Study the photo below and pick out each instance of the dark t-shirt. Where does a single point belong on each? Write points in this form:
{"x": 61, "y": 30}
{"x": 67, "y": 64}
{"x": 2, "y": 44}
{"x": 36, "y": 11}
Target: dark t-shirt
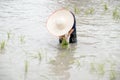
{"x": 73, "y": 36}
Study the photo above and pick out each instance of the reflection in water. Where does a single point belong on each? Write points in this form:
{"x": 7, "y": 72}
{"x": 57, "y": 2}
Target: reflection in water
{"x": 63, "y": 62}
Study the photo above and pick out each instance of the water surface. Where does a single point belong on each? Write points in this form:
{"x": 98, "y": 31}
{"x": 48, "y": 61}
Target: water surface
{"x": 31, "y": 53}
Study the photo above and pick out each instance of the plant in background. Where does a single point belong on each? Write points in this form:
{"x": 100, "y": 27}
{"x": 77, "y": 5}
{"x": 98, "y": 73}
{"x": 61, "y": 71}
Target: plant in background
{"x": 113, "y": 72}
{"x": 26, "y": 67}
{"x": 8, "y": 35}
{"x": 76, "y": 10}
{"x": 105, "y": 7}
{"x": 101, "y": 69}
{"x": 2, "y": 45}
{"x": 39, "y": 56}
{"x": 112, "y": 75}
{"x": 22, "y": 39}
{"x": 90, "y": 11}
{"x": 92, "y": 67}
{"x": 116, "y": 14}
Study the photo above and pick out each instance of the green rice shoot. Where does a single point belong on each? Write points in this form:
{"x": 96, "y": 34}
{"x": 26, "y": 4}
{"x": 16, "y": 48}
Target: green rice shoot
{"x": 101, "y": 69}
{"x": 116, "y": 14}
{"x": 105, "y": 7}
{"x": 90, "y": 11}
{"x": 92, "y": 67}
{"x": 22, "y": 39}
{"x": 8, "y": 35}
{"x": 78, "y": 64}
{"x": 26, "y": 67}
{"x": 112, "y": 75}
{"x": 64, "y": 43}
{"x": 76, "y": 10}
{"x": 39, "y": 56}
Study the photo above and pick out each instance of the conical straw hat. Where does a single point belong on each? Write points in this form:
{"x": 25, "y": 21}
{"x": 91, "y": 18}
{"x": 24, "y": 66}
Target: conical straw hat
{"x": 60, "y": 22}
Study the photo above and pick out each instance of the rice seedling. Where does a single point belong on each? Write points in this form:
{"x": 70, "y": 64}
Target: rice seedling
{"x": 90, "y": 11}
{"x": 101, "y": 69}
{"x": 8, "y": 35}
{"x": 22, "y": 39}
{"x": 116, "y": 14}
{"x": 64, "y": 43}
{"x": 26, "y": 67}
{"x": 2, "y": 45}
{"x": 39, "y": 56}
{"x": 76, "y": 10}
{"x": 112, "y": 75}
{"x": 105, "y": 7}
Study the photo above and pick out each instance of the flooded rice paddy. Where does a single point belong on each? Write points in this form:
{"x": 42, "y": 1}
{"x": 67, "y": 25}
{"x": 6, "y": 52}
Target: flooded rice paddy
{"x": 29, "y": 52}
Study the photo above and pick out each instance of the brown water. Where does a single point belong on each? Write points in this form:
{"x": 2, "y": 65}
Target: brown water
{"x": 31, "y": 53}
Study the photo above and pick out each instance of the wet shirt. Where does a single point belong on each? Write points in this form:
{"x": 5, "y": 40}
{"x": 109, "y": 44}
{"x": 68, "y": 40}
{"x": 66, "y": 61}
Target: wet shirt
{"x": 73, "y": 36}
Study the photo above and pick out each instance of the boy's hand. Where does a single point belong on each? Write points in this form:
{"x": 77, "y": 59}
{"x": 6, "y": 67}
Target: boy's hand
{"x": 66, "y": 35}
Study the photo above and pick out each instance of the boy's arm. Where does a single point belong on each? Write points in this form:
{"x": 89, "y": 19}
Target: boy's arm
{"x": 70, "y": 32}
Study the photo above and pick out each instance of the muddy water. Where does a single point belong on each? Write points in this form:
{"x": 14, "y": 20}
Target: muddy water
{"x": 31, "y": 53}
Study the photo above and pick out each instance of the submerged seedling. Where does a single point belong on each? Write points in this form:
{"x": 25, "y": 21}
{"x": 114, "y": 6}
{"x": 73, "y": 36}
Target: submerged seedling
{"x": 52, "y": 61}
{"x": 67, "y": 7}
{"x": 2, "y": 45}
{"x": 92, "y": 67}
{"x": 44, "y": 77}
